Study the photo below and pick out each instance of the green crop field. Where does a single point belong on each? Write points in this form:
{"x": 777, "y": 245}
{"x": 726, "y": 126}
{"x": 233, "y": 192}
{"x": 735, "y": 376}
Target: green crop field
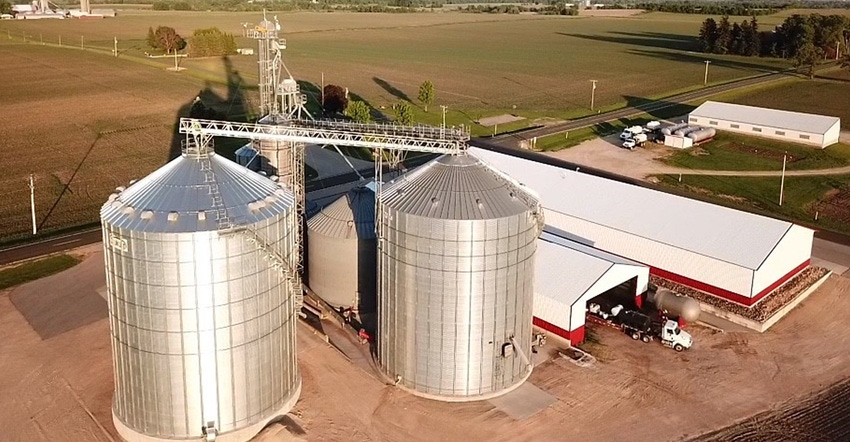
{"x": 482, "y": 64}
{"x": 84, "y": 122}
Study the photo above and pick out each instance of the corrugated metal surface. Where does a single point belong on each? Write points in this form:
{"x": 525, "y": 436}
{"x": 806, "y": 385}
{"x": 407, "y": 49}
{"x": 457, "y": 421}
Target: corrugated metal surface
{"x": 203, "y": 327}
{"x": 561, "y": 300}
{"x": 181, "y": 187}
{"x": 760, "y": 116}
{"x": 457, "y": 280}
{"x": 691, "y": 226}
{"x": 350, "y": 216}
{"x": 341, "y": 251}
{"x": 454, "y": 187}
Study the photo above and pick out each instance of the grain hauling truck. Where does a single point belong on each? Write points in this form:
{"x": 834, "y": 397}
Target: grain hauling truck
{"x": 640, "y": 326}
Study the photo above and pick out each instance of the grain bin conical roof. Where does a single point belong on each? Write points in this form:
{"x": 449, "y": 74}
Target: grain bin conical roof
{"x": 350, "y": 216}
{"x": 183, "y": 195}
{"x": 456, "y": 187}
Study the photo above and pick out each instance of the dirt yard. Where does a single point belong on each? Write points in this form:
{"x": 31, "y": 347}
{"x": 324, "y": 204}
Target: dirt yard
{"x": 64, "y": 383}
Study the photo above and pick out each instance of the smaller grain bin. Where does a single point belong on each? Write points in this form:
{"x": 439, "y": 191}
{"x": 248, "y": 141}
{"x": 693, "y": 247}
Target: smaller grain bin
{"x": 341, "y": 251}
{"x": 456, "y": 263}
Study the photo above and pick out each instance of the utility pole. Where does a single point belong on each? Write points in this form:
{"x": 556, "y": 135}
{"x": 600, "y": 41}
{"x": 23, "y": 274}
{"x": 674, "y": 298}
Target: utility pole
{"x": 82, "y": 42}
{"x": 322, "y": 104}
{"x": 60, "y": 40}
{"x": 115, "y": 46}
{"x": 705, "y": 79}
{"x": 32, "y": 204}
{"x": 444, "y": 107}
{"x": 782, "y": 183}
{"x": 592, "y": 93}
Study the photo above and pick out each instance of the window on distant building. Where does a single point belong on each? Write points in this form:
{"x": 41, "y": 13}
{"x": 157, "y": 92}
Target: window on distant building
{"x": 713, "y": 123}
{"x": 693, "y": 120}
{"x": 804, "y": 137}
{"x": 735, "y": 126}
{"x": 756, "y": 129}
{"x": 779, "y": 132}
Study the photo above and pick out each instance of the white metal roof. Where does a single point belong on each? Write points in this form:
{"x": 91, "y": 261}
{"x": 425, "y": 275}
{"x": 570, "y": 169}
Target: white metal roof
{"x": 729, "y": 235}
{"x": 558, "y": 257}
{"x": 760, "y": 116}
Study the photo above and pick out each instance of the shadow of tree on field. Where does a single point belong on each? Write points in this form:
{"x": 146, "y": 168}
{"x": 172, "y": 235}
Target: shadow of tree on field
{"x": 699, "y": 58}
{"x": 377, "y": 114}
{"x": 208, "y": 104}
{"x": 394, "y": 91}
{"x": 658, "y": 109}
{"x": 645, "y": 39}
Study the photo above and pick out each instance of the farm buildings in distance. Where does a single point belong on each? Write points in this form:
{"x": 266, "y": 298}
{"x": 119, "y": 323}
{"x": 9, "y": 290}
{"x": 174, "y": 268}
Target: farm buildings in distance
{"x": 795, "y": 127}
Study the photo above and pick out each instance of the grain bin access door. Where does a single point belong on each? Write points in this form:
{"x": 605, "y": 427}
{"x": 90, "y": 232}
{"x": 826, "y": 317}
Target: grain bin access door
{"x": 570, "y": 274}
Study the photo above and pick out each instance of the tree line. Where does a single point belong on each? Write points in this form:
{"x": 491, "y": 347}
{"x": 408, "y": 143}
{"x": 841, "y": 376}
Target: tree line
{"x": 205, "y": 42}
{"x": 712, "y": 8}
{"x": 806, "y": 39}
{"x": 335, "y": 101}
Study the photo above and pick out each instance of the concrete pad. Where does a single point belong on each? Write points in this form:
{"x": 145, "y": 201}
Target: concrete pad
{"x": 838, "y": 269}
{"x": 523, "y": 402}
{"x": 499, "y": 119}
{"x": 64, "y": 301}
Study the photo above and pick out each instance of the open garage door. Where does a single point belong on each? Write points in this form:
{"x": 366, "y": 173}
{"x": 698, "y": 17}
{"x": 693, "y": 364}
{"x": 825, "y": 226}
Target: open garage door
{"x": 570, "y": 274}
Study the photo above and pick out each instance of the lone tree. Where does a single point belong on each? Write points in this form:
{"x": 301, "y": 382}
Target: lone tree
{"x": 165, "y": 38}
{"x": 403, "y": 113}
{"x": 426, "y": 93}
{"x": 336, "y": 99}
{"x": 359, "y": 111}
{"x": 807, "y": 57}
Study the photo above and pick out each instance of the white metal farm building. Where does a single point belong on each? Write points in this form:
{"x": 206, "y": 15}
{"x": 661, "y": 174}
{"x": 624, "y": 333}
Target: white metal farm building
{"x": 795, "y": 127}
{"x": 569, "y": 274}
{"x": 731, "y": 254}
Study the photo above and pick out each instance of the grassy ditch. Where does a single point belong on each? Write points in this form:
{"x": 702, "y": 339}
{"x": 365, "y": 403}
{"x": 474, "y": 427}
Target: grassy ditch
{"x": 35, "y": 270}
{"x": 803, "y": 197}
{"x": 739, "y": 152}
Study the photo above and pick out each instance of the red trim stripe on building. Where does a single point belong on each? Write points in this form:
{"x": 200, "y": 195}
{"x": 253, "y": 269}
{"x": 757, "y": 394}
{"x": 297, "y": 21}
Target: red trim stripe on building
{"x": 726, "y": 294}
{"x": 575, "y": 337}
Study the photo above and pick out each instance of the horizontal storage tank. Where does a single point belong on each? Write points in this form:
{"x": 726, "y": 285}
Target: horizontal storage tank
{"x": 686, "y": 130}
{"x": 201, "y": 314}
{"x": 702, "y": 134}
{"x": 670, "y": 129}
{"x": 675, "y": 304}
{"x": 456, "y": 280}
{"x": 341, "y": 251}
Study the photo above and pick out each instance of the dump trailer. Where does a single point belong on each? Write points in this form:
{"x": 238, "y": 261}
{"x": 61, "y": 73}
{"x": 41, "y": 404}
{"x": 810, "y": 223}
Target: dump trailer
{"x": 641, "y": 327}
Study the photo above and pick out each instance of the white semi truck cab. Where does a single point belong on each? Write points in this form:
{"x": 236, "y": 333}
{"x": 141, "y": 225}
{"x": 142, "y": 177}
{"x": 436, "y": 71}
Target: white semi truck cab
{"x": 673, "y": 336}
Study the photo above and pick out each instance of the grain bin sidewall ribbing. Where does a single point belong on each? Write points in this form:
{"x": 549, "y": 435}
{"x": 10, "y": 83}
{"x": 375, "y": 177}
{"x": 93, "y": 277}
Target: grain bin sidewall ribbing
{"x": 159, "y": 285}
{"x": 436, "y": 270}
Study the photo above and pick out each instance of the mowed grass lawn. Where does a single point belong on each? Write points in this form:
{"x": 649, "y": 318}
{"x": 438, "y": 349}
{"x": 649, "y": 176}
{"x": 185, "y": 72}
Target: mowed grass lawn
{"x": 761, "y": 194}
{"x": 730, "y": 151}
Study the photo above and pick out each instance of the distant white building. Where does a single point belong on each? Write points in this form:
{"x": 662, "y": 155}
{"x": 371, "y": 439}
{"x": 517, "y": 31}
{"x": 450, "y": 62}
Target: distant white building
{"x": 814, "y": 130}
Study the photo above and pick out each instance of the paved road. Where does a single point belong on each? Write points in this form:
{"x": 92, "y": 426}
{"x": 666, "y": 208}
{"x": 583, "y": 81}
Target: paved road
{"x": 48, "y": 246}
{"x": 513, "y": 139}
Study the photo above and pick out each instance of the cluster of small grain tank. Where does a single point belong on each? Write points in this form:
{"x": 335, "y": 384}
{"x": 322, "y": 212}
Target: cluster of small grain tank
{"x": 696, "y": 134}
